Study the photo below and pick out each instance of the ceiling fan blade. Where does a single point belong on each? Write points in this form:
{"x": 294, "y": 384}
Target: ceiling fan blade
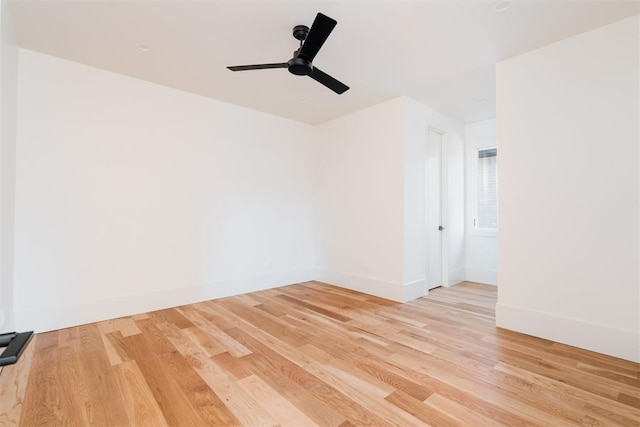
{"x": 325, "y": 79}
{"x": 320, "y": 30}
{"x": 258, "y": 66}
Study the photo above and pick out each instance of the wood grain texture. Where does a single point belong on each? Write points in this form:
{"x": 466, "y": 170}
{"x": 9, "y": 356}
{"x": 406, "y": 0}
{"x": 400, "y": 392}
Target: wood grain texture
{"x": 315, "y": 354}
{"x": 13, "y": 384}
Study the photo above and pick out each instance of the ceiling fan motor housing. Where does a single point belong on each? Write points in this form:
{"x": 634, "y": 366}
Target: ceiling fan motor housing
{"x": 300, "y": 32}
{"x": 299, "y": 66}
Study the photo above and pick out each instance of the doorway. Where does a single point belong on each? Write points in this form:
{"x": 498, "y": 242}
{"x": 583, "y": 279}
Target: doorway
{"x": 434, "y": 184}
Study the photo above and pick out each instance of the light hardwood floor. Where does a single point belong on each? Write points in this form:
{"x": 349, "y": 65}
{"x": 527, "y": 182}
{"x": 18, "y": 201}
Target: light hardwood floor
{"x": 316, "y": 354}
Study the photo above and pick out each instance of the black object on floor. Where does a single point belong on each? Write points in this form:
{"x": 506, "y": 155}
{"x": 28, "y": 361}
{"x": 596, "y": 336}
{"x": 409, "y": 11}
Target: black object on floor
{"x": 15, "y": 342}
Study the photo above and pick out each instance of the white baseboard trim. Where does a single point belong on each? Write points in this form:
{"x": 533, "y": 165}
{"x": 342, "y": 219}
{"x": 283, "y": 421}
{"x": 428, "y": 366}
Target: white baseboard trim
{"x": 7, "y": 324}
{"x": 413, "y": 290}
{"x": 457, "y": 276}
{"x": 387, "y": 290}
{"x": 621, "y": 343}
{"x": 52, "y": 318}
{"x": 487, "y": 277}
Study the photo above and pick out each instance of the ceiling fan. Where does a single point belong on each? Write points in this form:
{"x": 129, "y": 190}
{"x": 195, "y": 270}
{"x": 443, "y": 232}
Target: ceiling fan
{"x": 311, "y": 40}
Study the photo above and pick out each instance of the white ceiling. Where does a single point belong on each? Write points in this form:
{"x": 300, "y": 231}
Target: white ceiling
{"x": 441, "y": 53}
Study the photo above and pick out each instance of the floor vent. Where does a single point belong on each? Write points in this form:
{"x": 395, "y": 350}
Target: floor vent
{"x": 15, "y": 342}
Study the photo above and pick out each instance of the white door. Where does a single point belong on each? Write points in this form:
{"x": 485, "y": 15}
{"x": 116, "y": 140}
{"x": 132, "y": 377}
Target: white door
{"x": 433, "y": 209}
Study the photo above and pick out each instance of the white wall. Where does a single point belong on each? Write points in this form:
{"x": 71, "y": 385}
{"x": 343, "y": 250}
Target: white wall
{"x": 132, "y": 196}
{"x": 369, "y": 191}
{"x": 568, "y": 137}
{"x": 481, "y": 247}
{"x": 418, "y": 119}
{"x": 8, "y": 96}
{"x": 359, "y": 200}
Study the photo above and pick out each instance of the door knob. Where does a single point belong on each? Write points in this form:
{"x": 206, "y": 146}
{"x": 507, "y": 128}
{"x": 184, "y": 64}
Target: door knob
{"x": 440, "y": 228}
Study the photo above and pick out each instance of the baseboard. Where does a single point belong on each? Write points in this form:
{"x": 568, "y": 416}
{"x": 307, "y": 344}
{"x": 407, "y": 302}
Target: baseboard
{"x": 52, "y": 318}
{"x": 387, "y": 290}
{"x": 6, "y": 321}
{"x": 457, "y": 276}
{"x": 413, "y": 290}
{"x": 487, "y": 277}
{"x": 621, "y": 343}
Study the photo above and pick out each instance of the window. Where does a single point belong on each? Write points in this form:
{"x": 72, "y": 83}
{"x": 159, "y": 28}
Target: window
{"x": 486, "y": 189}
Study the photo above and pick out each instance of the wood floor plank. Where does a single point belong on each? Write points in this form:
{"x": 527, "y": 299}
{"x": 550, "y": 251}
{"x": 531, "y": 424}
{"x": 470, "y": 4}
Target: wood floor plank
{"x": 350, "y": 372}
{"x": 320, "y": 390}
{"x": 242, "y": 405}
{"x": 587, "y": 381}
{"x": 74, "y": 391}
{"x": 272, "y": 325}
{"x": 237, "y": 367}
{"x": 140, "y": 316}
{"x": 568, "y": 393}
{"x": 488, "y": 391}
{"x": 326, "y": 349}
{"x": 316, "y": 308}
{"x": 316, "y": 354}
{"x": 612, "y": 372}
{"x": 112, "y": 352}
{"x": 42, "y": 398}
{"x": 126, "y": 325}
{"x": 155, "y": 337}
{"x": 316, "y": 410}
{"x": 13, "y": 385}
{"x": 318, "y": 304}
{"x": 219, "y": 339}
{"x": 610, "y": 382}
{"x": 458, "y": 412}
{"x": 586, "y": 356}
{"x": 361, "y": 393}
{"x": 357, "y": 339}
{"x": 175, "y": 406}
{"x": 275, "y": 404}
{"x": 136, "y": 397}
{"x": 69, "y": 337}
{"x": 115, "y": 340}
{"x": 170, "y": 315}
{"x": 206, "y": 402}
{"x": 98, "y": 381}
{"x": 420, "y": 410}
{"x": 629, "y": 400}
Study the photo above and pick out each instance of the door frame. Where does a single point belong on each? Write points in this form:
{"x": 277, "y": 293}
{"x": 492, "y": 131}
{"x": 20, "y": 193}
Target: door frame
{"x": 444, "y": 211}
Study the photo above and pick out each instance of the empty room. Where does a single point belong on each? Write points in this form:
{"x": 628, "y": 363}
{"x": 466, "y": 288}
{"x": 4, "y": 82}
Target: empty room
{"x": 332, "y": 213}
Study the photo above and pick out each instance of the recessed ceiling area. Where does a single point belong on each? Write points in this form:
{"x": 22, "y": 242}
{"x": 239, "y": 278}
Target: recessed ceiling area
{"x": 440, "y": 53}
